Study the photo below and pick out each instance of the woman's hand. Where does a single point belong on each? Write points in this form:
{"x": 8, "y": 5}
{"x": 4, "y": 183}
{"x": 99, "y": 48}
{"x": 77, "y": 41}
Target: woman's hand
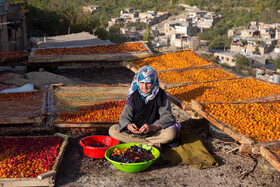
{"x": 133, "y": 128}
{"x": 147, "y": 128}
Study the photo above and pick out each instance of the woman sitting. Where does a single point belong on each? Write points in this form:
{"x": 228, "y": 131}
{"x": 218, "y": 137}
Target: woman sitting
{"x": 147, "y": 117}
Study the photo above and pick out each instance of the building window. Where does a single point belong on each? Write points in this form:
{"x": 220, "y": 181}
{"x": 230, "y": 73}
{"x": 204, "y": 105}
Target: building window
{"x": 227, "y": 59}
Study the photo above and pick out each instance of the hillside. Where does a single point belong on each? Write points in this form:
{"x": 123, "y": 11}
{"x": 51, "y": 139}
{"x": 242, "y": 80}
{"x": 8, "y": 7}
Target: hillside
{"x": 63, "y": 16}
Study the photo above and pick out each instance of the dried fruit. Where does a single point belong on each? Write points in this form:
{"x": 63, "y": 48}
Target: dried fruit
{"x": 16, "y": 96}
{"x": 177, "y": 60}
{"x": 136, "y": 47}
{"x": 133, "y": 154}
{"x": 224, "y": 91}
{"x": 194, "y": 75}
{"x": 27, "y": 157}
{"x": 260, "y": 121}
{"x": 105, "y": 112}
{"x": 12, "y": 54}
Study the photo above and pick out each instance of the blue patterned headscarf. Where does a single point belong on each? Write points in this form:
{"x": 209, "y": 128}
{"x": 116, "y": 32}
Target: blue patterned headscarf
{"x": 145, "y": 74}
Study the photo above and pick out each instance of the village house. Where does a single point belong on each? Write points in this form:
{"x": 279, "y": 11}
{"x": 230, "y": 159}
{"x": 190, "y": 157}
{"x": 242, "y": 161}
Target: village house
{"x": 132, "y": 15}
{"x": 249, "y": 33}
{"x": 181, "y": 29}
{"x": 258, "y": 38}
{"x": 132, "y": 33}
{"x": 226, "y": 58}
{"x": 91, "y": 8}
{"x": 13, "y": 34}
{"x": 204, "y": 19}
{"x": 253, "y": 45}
{"x": 182, "y": 41}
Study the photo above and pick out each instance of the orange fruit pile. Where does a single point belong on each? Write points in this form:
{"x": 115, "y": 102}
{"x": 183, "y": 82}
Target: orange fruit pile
{"x": 27, "y": 157}
{"x": 105, "y": 112}
{"x": 260, "y": 121}
{"x": 12, "y": 54}
{"x": 16, "y": 96}
{"x": 194, "y": 76}
{"x": 177, "y": 60}
{"x": 224, "y": 91}
{"x": 135, "y": 47}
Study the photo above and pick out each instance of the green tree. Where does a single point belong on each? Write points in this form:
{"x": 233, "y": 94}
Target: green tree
{"x": 115, "y": 35}
{"x": 244, "y": 42}
{"x": 241, "y": 60}
{"x": 102, "y": 33}
{"x": 147, "y": 35}
{"x": 211, "y": 58}
{"x": 275, "y": 62}
{"x": 257, "y": 51}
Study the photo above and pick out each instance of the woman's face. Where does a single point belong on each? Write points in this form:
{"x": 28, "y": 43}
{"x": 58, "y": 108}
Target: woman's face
{"x": 145, "y": 87}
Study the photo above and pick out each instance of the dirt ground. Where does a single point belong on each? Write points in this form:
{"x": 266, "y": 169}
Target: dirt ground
{"x": 77, "y": 170}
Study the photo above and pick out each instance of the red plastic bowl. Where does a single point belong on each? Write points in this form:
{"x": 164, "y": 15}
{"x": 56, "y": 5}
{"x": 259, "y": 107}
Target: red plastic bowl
{"x": 97, "y": 152}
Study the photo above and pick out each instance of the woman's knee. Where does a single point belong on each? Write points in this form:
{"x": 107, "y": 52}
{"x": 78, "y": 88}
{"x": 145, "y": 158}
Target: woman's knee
{"x": 170, "y": 134}
{"x": 113, "y": 130}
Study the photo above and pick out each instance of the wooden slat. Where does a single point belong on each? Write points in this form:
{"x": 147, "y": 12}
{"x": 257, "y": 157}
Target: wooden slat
{"x": 178, "y": 102}
{"x": 270, "y": 157}
{"x": 129, "y": 66}
{"x": 22, "y": 120}
{"x": 96, "y": 126}
{"x": 24, "y": 130}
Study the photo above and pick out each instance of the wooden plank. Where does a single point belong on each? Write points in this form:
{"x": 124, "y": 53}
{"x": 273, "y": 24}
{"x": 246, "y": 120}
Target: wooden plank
{"x": 84, "y": 125}
{"x": 249, "y": 149}
{"x": 84, "y": 60}
{"x": 194, "y": 114}
{"x": 270, "y": 157}
{"x": 25, "y": 130}
{"x": 26, "y": 182}
{"x": 61, "y": 151}
{"x": 129, "y": 66}
{"x": 273, "y": 97}
{"x": 178, "y": 102}
{"x": 22, "y": 120}
{"x": 47, "y": 175}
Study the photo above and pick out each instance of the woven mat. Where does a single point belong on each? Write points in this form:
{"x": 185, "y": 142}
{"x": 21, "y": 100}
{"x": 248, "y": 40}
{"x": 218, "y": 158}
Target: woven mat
{"x": 191, "y": 152}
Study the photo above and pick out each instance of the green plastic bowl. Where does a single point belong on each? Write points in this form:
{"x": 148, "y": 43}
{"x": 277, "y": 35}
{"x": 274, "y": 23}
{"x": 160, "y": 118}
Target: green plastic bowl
{"x": 132, "y": 167}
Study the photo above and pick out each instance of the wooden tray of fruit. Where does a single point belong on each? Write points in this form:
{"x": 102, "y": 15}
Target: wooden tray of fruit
{"x": 111, "y": 52}
{"x": 247, "y": 122}
{"x": 12, "y": 56}
{"x": 223, "y": 91}
{"x": 171, "y": 61}
{"x": 87, "y": 106}
{"x": 176, "y": 78}
{"x": 23, "y": 107}
{"x": 31, "y": 160}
